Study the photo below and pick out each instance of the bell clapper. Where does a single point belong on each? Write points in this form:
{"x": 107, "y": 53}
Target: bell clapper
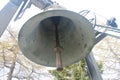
{"x": 58, "y": 49}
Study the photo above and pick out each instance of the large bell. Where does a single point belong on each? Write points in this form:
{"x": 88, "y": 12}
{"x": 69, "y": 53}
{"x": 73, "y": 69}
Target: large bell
{"x": 37, "y": 38}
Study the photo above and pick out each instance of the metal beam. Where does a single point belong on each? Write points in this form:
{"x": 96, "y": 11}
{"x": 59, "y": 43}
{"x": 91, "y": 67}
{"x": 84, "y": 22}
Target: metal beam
{"x": 42, "y": 4}
{"x": 7, "y": 13}
{"x": 92, "y": 67}
{"x": 111, "y": 31}
{"x": 91, "y": 62}
{"x": 100, "y": 37}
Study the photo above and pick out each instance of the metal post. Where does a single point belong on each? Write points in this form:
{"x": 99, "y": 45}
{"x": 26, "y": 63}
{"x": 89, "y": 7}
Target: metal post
{"x": 7, "y": 13}
{"x": 92, "y": 67}
{"x": 91, "y": 63}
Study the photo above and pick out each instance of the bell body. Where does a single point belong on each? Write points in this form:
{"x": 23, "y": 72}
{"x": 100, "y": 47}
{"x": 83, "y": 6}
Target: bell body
{"x": 37, "y": 37}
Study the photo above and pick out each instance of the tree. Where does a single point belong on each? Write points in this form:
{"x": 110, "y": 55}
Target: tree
{"x": 75, "y": 71}
{"x": 13, "y": 65}
{"x": 107, "y": 52}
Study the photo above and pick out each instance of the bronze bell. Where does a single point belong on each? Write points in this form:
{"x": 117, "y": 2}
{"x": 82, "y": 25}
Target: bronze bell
{"x": 60, "y": 34}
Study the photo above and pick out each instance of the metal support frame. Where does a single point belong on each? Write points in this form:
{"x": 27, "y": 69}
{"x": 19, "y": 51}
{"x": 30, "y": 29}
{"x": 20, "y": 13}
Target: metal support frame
{"x": 92, "y": 67}
{"x": 99, "y": 38}
{"x": 7, "y": 13}
{"x": 42, "y": 4}
{"x": 91, "y": 63}
{"x": 25, "y": 5}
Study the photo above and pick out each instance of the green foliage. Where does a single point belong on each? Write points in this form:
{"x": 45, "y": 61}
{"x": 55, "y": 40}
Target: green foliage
{"x": 76, "y": 71}
{"x": 100, "y": 67}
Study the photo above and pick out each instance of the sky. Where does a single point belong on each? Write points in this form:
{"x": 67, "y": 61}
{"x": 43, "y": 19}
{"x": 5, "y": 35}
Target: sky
{"x": 104, "y": 8}
{"x": 3, "y": 3}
